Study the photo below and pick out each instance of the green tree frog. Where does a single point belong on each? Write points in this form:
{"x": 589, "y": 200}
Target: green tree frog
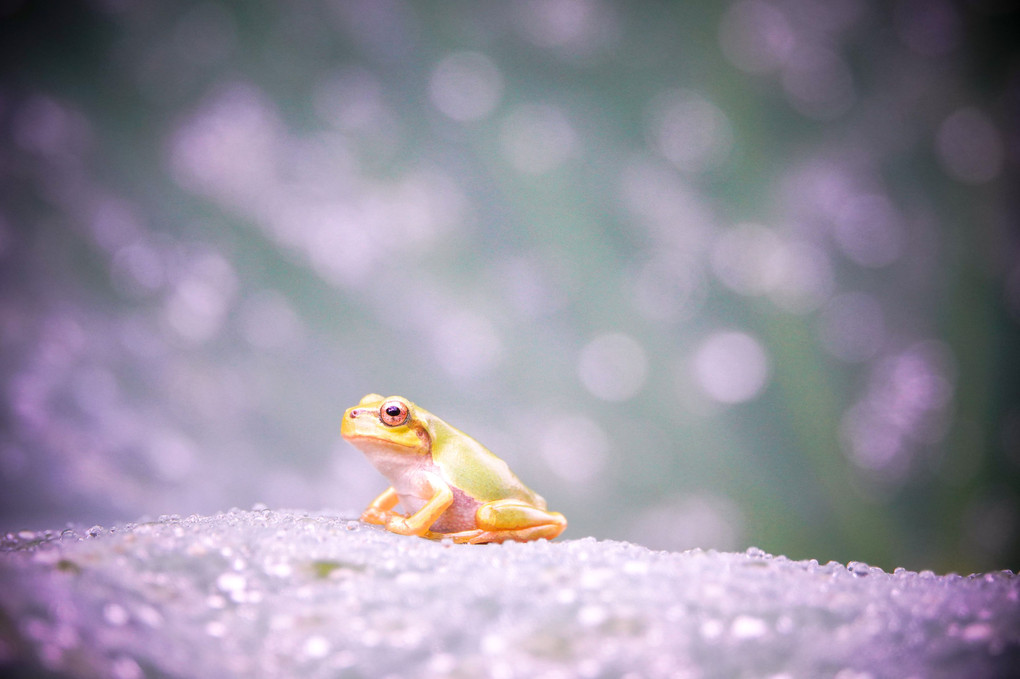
{"x": 448, "y": 484}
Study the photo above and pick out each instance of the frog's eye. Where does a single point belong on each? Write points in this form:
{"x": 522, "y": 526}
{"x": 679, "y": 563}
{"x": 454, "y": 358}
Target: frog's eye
{"x": 393, "y": 413}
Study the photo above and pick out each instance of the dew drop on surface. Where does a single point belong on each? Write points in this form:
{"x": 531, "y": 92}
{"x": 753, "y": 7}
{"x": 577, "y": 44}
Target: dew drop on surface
{"x": 316, "y": 647}
{"x": 125, "y": 667}
{"x": 977, "y": 631}
{"x": 215, "y": 628}
{"x": 149, "y": 616}
{"x": 280, "y": 569}
{"x": 115, "y": 614}
{"x": 566, "y": 595}
{"x": 711, "y": 629}
{"x": 635, "y": 567}
{"x": 231, "y": 582}
{"x": 493, "y": 643}
{"x": 442, "y": 664}
{"x": 592, "y": 616}
{"x": 747, "y": 627}
{"x": 858, "y": 568}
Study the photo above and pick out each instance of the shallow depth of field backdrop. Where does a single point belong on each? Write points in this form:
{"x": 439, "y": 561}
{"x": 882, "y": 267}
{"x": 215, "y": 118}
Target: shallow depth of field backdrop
{"x": 705, "y": 274}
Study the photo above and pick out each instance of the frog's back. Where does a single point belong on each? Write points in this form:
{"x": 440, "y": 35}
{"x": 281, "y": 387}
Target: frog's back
{"x": 472, "y": 467}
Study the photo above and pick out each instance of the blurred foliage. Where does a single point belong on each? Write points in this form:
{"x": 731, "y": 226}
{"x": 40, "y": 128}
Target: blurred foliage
{"x": 705, "y": 274}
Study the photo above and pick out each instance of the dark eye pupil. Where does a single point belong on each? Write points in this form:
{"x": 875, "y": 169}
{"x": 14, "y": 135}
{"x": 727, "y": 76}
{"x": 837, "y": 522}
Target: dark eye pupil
{"x": 393, "y": 411}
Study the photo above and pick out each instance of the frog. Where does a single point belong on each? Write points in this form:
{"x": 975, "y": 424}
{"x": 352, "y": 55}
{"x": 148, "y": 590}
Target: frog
{"x": 448, "y": 486}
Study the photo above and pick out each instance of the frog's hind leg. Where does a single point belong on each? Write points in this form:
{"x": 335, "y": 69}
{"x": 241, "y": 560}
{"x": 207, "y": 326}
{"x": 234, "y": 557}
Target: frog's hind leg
{"x": 458, "y": 537}
{"x": 503, "y": 520}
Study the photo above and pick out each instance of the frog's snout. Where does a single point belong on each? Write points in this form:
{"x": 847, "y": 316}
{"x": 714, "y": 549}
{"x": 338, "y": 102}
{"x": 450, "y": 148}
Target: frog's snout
{"x": 347, "y": 424}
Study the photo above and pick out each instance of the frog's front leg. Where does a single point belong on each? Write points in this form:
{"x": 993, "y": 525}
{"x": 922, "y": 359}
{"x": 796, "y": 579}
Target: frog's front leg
{"x": 380, "y": 510}
{"x": 440, "y": 498}
{"x": 509, "y": 519}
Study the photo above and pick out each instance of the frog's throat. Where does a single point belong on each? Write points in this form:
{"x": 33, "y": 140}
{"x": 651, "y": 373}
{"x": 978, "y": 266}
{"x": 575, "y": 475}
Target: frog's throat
{"x": 393, "y": 461}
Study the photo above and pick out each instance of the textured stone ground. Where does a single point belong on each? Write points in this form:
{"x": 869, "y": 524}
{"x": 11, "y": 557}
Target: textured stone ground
{"x": 267, "y": 593}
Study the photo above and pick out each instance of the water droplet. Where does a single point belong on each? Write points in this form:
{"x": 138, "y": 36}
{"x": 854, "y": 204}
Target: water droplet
{"x": 215, "y": 628}
{"x": 747, "y": 627}
{"x": 592, "y": 616}
{"x": 711, "y": 629}
{"x": 125, "y": 667}
{"x": 231, "y": 582}
{"x": 115, "y": 614}
{"x": 859, "y": 568}
{"x": 977, "y": 631}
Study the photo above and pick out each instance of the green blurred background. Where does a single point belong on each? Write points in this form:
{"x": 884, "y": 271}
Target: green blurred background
{"x": 705, "y": 274}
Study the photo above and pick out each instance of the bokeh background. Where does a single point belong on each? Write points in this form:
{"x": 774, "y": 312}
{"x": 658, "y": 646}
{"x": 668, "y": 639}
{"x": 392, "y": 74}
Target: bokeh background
{"x": 706, "y": 274}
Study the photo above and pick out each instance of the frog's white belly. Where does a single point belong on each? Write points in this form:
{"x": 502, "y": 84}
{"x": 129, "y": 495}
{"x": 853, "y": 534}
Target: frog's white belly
{"x": 458, "y": 516}
{"x": 405, "y": 475}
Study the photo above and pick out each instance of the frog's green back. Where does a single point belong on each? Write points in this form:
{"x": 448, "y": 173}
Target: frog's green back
{"x": 470, "y": 466}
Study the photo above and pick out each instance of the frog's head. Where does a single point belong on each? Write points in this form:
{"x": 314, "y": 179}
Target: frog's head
{"x": 392, "y": 424}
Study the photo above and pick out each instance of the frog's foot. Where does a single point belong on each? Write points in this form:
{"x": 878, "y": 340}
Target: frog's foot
{"x": 377, "y": 516}
{"x": 503, "y": 520}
